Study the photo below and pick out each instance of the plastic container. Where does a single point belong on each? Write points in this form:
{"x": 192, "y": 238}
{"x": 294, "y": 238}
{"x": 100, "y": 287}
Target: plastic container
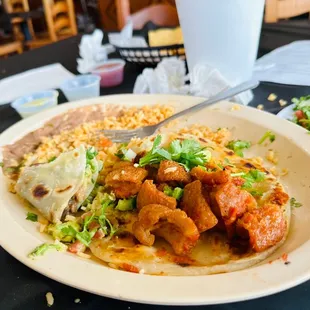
{"x": 36, "y": 102}
{"x": 81, "y": 87}
{"x": 111, "y": 72}
{"x": 223, "y": 34}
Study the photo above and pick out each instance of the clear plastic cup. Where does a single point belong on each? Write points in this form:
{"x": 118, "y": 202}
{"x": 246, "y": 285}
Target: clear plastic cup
{"x": 81, "y": 87}
{"x": 111, "y": 72}
{"x": 35, "y": 103}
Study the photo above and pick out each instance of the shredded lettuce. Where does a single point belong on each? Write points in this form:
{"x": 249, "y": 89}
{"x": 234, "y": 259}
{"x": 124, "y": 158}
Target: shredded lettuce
{"x": 238, "y": 145}
{"x": 43, "y": 248}
{"x": 98, "y": 214}
{"x": 65, "y": 232}
{"x": 268, "y": 135}
{"x": 85, "y": 236}
{"x": 303, "y": 105}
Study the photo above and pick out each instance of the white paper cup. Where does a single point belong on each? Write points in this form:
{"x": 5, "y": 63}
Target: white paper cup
{"x": 223, "y": 34}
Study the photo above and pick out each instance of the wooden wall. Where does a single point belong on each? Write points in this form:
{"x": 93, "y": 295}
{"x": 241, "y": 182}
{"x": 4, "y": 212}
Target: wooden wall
{"x": 107, "y": 10}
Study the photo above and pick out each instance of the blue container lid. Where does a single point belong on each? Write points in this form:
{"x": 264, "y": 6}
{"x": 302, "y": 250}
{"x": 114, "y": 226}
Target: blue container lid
{"x": 81, "y": 81}
{"x": 22, "y": 104}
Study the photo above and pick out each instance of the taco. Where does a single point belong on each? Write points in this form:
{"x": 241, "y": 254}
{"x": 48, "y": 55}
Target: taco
{"x": 184, "y": 203}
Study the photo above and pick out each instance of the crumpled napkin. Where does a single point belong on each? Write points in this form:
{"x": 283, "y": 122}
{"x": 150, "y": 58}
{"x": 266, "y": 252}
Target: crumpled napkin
{"x": 125, "y": 38}
{"x": 92, "y": 52}
{"x": 169, "y": 77}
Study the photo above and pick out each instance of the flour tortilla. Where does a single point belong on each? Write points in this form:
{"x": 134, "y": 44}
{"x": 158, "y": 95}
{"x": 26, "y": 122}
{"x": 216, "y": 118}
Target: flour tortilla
{"x": 49, "y": 187}
{"x": 212, "y": 255}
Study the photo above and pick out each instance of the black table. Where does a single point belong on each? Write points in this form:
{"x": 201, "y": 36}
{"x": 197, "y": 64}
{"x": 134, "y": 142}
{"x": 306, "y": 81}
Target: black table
{"x": 23, "y": 288}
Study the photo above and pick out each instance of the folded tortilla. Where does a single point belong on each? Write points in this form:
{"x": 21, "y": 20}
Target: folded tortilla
{"x": 59, "y": 186}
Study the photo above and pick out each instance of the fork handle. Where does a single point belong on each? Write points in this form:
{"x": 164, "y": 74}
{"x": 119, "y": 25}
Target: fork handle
{"x": 218, "y": 97}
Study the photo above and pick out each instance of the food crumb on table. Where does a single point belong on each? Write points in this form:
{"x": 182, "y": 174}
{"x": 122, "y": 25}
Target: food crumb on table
{"x": 49, "y": 298}
{"x": 260, "y": 107}
{"x": 77, "y": 300}
{"x": 282, "y": 102}
{"x": 235, "y": 107}
{"x": 272, "y": 97}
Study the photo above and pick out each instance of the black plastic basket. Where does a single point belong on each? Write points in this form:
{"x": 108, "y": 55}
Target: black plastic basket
{"x": 150, "y": 56}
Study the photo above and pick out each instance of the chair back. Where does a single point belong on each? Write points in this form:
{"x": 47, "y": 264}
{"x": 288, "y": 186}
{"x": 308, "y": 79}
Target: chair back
{"x": 160, "y": 14}
{"x": 60, "y": 18}
{"x": 16, "y": 6}
{"x": 282, "y": 9}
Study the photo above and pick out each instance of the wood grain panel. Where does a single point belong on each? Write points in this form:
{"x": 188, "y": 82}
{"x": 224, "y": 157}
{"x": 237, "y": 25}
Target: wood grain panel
{"x": 108, "y": 15}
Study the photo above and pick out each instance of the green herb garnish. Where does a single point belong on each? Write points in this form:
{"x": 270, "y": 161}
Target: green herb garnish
{"x": 176, "y": 192}
{"x": 188, "y": 153}
{"x": 32, "y": 217}
{"x": 268, "y": 135}
{"x": 294, "y": 203}
{"x": 1, "y": 164}
{"x": 126, "y": 204}
{"x": 91, "y": 153}
{"x": 253, "y": 176}
{"x": 256, "y": 193}
{"x": 85, "y": 236}
{"x": 237, "y": 146}
{"x": 52, "y": 159}
{"x": 43, "y": 248}
{"x": 65, "y": 232}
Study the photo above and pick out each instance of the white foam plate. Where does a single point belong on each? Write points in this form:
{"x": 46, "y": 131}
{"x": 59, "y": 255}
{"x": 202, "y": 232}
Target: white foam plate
{"x": 292, "y": 144}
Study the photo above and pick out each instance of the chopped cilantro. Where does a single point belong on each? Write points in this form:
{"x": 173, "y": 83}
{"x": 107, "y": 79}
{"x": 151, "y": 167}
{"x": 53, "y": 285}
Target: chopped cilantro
{"x": 257, "y": 193}
{"x": 253, "y": 176}
{"x": 155, "y": 155}
{"x": 1, "y": 164}
{"x": 43, "y": 248}
{"x": 176, "y": 192}
{"x": 32, "y": 217}
{"x": 268, "y": 135}
{"x": 188, "y": 153}
{"x": 237, "y": 146}
{"x": 85, "y": 236}
{"x": 294, "y": 203}
{"x": 52, "y": 159}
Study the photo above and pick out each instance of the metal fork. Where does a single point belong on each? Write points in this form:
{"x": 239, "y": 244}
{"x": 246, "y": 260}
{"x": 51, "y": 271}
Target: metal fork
{"x": 126, "y": 135}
